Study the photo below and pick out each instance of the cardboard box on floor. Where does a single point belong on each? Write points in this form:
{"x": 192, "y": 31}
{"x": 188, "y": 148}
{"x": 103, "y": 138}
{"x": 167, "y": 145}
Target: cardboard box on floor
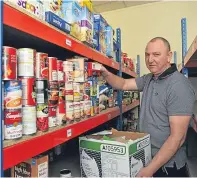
{"x": 34, "y": 167}
{"x": 114, "y": 153}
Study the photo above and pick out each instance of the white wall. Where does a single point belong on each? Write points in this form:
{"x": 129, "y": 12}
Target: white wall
{"x": 141, "y": 23}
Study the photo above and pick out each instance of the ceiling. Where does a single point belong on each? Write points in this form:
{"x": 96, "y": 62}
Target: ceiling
{"x": 104, "y": 6}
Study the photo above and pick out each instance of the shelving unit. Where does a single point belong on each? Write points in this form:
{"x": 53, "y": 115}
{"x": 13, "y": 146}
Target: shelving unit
{"x": 19, "y": 29}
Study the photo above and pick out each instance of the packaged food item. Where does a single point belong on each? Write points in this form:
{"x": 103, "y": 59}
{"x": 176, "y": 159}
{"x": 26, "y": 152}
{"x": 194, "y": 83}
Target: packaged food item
{"x": 53, "y": 6}
{"x": 9, "y": 63}
{"x": 76, "y": 90}
{"x": 99, "y": 33}
{"x": 42, "y": 66}
{"x": 109, "y": 40}
{"x": 68, "y": 70}
{"x": 77, "y": 110}
{"x": 69, "y": 94}
{"x": 69, "y": 111}
{"x": 87, "y": 26}
{"x": 86, "y": 3}
{"x": 71, "y": 13}
{"x": 34, "y": 7}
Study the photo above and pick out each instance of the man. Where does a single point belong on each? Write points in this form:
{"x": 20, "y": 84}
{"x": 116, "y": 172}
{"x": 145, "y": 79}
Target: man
{"x": 166, "y": 109}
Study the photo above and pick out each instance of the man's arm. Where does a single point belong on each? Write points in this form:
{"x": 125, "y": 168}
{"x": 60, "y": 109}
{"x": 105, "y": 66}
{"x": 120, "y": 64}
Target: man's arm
{"x": 178, "y": 127}
{"x": 118, "y": 82}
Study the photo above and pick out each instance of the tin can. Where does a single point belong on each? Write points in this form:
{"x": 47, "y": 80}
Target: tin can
{"x": 41, "y": 91}
{"x": 42, "y": 66}
{"x": 29, "y": 120}
{"x": 82, "y": 106}
{"x": 28, "y": 91}
{"x": 86, "y": 91}
{"x": 13, "y": 94}
{"x": 69, "y": 91}
{"x": 77, "y": 110}
{"x": 68, "y": 71}
{"x": 82, "y": 91}
{"x": 76, "y": 90}
{"x": 2, "y": 109}
{"x": 53, "y": 85}
{"x": 13, "y": 124}
{"x": 9, "y": 63}
{"x": 42, "y": 121}
{"x": 52, "y": 116}
{"x": 61, "y": 112}
{"x": 65, "y": 173}
{"x": 69, "y": 111}
{"x": 26, "y": 62}
{"x": 53, "y": 96}
{"x": 53, "y": 69}
{"x": 87, "y": 108}
{"x": 60, "y": 72}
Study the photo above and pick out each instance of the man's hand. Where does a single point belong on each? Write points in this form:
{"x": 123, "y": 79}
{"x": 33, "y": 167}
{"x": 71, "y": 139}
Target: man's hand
{"x": 145, "y": 172}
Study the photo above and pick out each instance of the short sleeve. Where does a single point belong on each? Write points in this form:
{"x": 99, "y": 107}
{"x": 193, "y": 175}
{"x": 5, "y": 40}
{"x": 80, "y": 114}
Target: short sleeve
{"x": 180, "y": 99}
{"x": 140, "y": 82}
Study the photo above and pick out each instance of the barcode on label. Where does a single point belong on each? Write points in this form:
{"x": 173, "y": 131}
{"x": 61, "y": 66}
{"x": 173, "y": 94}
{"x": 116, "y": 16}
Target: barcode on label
{"x": 40, "y": 98}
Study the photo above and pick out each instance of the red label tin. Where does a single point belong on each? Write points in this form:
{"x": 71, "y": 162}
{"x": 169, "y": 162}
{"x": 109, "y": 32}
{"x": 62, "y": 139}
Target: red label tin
{"x": 42, "y": 66}
{"x": 13, "y": 94}
{"x": 13, "y": 124}
{"x": 9, "y": 63}
{"x": 42, "y": 121}
{"x": 60, "y": 71}
{"x": 53, "y": 96}
{"x": 28, "y": 94}
{"x": 52, "y": 111}
{"x": 52, "y": 69}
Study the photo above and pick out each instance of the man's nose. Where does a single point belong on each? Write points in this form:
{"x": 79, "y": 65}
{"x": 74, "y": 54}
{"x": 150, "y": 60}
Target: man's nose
{"x": 150, "y": 59}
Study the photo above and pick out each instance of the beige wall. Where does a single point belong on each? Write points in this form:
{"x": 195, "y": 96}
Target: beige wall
{"x": 141, "y": 23}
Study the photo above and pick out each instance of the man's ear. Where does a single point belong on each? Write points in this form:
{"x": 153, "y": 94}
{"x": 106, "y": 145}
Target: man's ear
{"x": 169, "y": 56}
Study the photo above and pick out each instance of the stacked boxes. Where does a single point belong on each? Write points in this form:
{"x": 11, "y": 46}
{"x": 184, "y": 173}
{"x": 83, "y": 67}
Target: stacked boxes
{"x": 109, "y": 41}
{"x": 86, "y": 3}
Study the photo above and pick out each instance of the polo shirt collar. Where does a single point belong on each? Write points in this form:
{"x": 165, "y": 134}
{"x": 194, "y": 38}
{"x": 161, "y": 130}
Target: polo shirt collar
{"x": 167, "y": 72}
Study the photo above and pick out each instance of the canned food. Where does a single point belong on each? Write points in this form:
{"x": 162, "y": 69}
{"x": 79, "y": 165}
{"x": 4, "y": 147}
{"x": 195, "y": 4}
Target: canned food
{"x": 13, "y": 124}
{"x": 81, "y": 91}
{"x": 69, "y": 111}
{"x": 41, "y": 91}
{"x": 68, "y": 71}
{"x": 53, "y": 96}
{"x": 2, "y": 95}
{"x": 69, "y": 91}
{"x": 42, "y": 121}
{"x": 28, "y": 91}
{"x": 61, "y": 112}
{"x": 41, "y": 84}
{"x": 42, "y": 66}
{"x": 77, "y": 110}
{"x": 29, "y": 120}
{"x": 26, "y": 62}
{"x": 86, "y": 91}
{"x": 82, "y": 105}
{"x": 9, "y": 63}
{"x": 87, "y": 108}
{"x": 52, "y": 116}
{"x": 13, "y": 94}
{"x": 76, "y": 90}
{"x": 60, "y": 72}
{"x": 53, "y": 85}
{"x": 53, "y": 69}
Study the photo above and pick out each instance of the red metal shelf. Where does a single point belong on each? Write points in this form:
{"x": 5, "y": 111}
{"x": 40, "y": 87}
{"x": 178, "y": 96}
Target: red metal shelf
{"x": 129, "y": 72}
{"x": 190, "y": 59}
{"x": 35, "y": 145}
{"x": 126, "y": 108}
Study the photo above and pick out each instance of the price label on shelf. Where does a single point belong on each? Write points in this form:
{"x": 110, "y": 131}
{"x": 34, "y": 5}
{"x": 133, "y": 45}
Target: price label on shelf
{"x": 69, "y": 132}
{"x": 109, "y": 116}
{"x": 68, "y": 42}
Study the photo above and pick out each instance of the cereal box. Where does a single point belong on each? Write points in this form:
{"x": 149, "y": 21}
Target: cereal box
{"x": 99, "y": 33}
{"x": 86, "y": 25}
{"x": 71, "y": 13}
{"x": 53, "y": 6}
{"x": 109, "y": 40}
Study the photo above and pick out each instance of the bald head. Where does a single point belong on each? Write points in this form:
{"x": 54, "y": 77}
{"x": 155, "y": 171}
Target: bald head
{"x": 166, "y": 43}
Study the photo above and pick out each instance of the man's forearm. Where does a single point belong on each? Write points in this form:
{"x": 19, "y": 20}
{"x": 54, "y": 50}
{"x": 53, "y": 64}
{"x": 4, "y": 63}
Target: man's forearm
{"x": 166, "y": 152}
{"x": 115, "y": 81}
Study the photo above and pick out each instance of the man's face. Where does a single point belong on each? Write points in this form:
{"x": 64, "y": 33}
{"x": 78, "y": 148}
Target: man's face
{"x": 157, "y": 57}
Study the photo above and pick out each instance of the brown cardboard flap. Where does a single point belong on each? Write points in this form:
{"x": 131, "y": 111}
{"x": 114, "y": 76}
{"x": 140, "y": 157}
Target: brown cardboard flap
{"x": 128, "y": 135}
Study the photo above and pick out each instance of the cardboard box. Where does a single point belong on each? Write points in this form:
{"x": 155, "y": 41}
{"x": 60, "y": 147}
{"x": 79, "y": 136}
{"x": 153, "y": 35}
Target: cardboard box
{"x": 53, "y": 6}
{"x": 56, "y": 21}
{"x": 71, "y": 13}
{"x": 86, "y": 3}
{"x": 86, "y": 26}
{"x": 109, "y": 41}
{"x": 114, "y": 154}
{"x": 34, "y": 7}
{"x": 99, "y": 33}
{"x": 34, "y": 167}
